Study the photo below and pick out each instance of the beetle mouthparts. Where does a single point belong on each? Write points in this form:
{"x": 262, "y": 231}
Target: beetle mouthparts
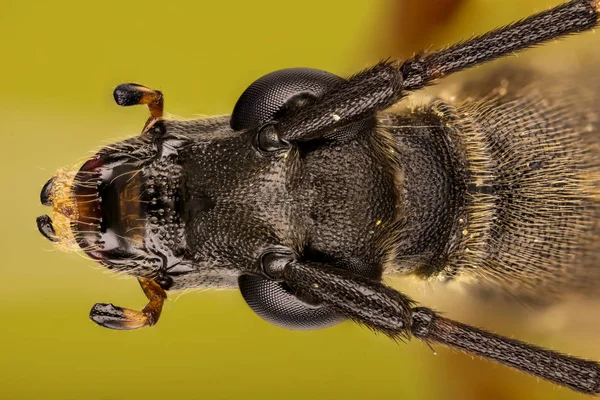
{"x": 111, "y": 218}
{"x": 96, "y": 208}
{"x": 46, "y": 194}
{"x": 57, "y": 193}
{"x": 44, "y": 224}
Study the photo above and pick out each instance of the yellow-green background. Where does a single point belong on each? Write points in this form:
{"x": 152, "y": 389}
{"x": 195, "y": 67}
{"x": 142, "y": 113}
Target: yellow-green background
{"x": 59, "y": 61}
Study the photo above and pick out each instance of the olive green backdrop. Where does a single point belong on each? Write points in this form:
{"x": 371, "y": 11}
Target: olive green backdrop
{"x": 59, "y": 61}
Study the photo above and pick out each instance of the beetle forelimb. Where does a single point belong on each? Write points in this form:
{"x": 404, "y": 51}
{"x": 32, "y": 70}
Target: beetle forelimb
{"x": 384, "y": 309}
{"x": 576, "y": 373}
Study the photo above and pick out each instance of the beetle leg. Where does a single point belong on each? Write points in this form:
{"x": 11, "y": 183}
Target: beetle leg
{"x": 383, "y": 309}
{"x": 375, "y": 89}
{"x": 113, "y": 317}
{"x": 131, "y": 94}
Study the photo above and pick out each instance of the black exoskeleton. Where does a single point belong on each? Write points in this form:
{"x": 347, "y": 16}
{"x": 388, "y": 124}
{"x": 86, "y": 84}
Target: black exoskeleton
{"x": 313, "y": 188}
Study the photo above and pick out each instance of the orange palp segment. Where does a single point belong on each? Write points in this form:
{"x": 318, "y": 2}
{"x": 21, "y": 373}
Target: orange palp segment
{"x": 113, "y": 317}
{"x": 129, "y": 94}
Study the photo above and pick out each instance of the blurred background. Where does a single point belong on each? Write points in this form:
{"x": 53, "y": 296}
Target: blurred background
{"x": 60, "y": 61}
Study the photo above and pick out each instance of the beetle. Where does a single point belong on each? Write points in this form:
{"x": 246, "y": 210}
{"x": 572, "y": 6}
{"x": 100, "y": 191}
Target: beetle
{"x": 314, "y": 187}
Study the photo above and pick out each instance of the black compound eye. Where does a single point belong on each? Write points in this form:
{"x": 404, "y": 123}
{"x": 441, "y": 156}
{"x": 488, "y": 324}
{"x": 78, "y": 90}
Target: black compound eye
{"x": 271, "y": 96}
{"x": 276, "y": 303}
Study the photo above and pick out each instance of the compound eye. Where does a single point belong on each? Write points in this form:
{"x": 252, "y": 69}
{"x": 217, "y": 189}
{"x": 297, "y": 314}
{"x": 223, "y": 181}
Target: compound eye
{"x": 271, "y": 96}
{"x": 276, "y": 303}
